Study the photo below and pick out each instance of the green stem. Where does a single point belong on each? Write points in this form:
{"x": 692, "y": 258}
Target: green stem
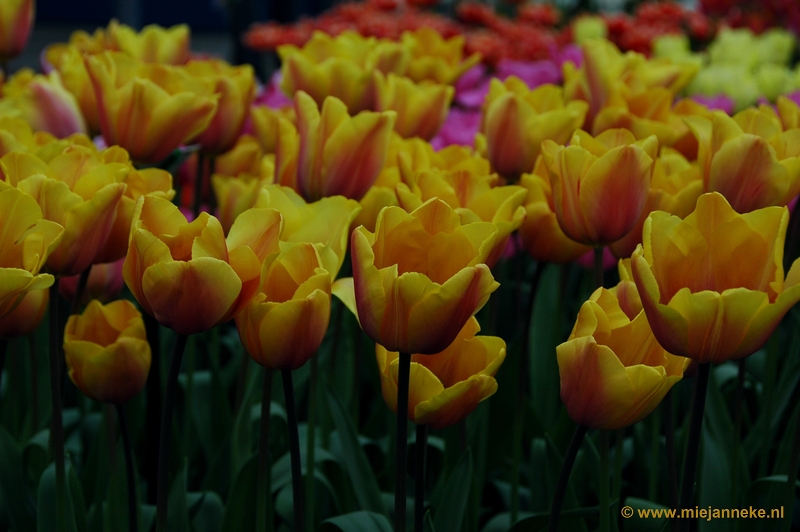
{"x": 616, "y": 486}
{"x": 401, "y": 443}
{"x": 3, "y": 350}
{"x": 79, "y": 290}
{"x": 669, "y": 442}
{"x": 768, "y": 386}
{"x": 152, "y": 418}
{"x": 34, "y": 355}
{"x": 294, "y": 451}
{"x": 311, "y": 439}
{"x": 655, "y": 455}
{"x": 598, "y": 267}
{"x": 737, "y": 444}
{"x": 133, "y": 508}
{"x": 563, "y": 477}
{"x": 165, "y": 436}
{"x": 604, "y": 476}
{"x": 791, "y": 477}
{"x": 263, "y": 497}
{"x": 421, "y": 447}
{"x": 693, "y": 446}
{"x": 56, "y": 423}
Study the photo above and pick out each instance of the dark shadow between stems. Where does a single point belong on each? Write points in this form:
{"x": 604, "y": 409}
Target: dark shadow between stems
{"x": 563, "y": 477}
{"x": 401, "y": 443}
{"x": 294, "y": 451}
{"x": 56, "y": 423}
{"x": 133, "y": 507}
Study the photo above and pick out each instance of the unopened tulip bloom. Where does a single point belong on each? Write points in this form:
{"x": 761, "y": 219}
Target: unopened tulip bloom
{"x": 324, "y": 223}
{"x": 338, "y": 154}
{"x": 188, "y": 276}
{"x": 235, "y": 86}
{"x": 25, "y": 318}
{"x": 77, "y": 189}
{"x": 285, "y": 322}
{"x": 540, "y": 232}
{"x": 516, "y": 120}
{"x": 420, "y": 276}
{"x": 16, "y": 21}
{"x": 148, "y": 109}
{"x": 748, "y": 159}
{"x": 421, "y": 108}
{"x": 107, "y": 353}
{"x": 713, "y": 285}
{"x": 600, "y": 184}
{"x": 445, "y": 387}
{"x": 44, "y": 103}
{"x": 26, "y": 241}
{"x": 153, "y": 44}
{"x": 613, "y": 371}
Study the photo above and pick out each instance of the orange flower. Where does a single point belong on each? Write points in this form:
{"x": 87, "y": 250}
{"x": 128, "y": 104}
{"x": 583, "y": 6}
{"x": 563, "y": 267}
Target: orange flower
{"x": 16, "y": 21}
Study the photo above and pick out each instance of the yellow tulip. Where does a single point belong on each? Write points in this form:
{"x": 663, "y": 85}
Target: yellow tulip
{"x": 188, "y": 276}
{"x": 749, "y": 159}
{"x": 713, "y": 285}
{"x": 25, "y": 318}
{"x": 421, "y": 108}
{"x": 148, "y": 109}
{"x": 420, "y": 276}
{"x": 600, "y": 184}
{"x": 338, "y": 154}
{"x": 44, "y": 103}
{"x": 516, "y": 120}
{"x": 235, "y": 86}
{"x": 76, "y": 188}
{"x": 15, "y": 135}
{"x": 613, "y": 371}
{"x": 324, "y": 223}
{"x": 540, "y": 232}
{"x": 435, "y": 58}
{"x": 626, "y": 293}
{"x": 445, "y": 387}
{"x": 107, "y": 353}
{"x": 26, "y": 241}
{"x": 265, "y": 125}
{"x": 153, "y": 44}
{"x": 16, "y": 21}
{"x": 285, "y": 323}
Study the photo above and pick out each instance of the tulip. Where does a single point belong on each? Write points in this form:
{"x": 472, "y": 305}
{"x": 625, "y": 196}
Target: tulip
{"x": 15, "y": 135}
{"x": 26, "y": 241}
{"x": 421, "y": 108}
{"x": 107, "y": 353}
{"x": 284, "y": 324}
{"x": 188, "y": 276}
{"x": 148, "y": 109}
{"x": 154, "y": 44}
{"x": 713, "y": 285}
{"x": 44, "y": 103}
{"x": 446, "y": 387}
{"x": 591, "y": 174}
{"x": 474, "y": 199}
{"x": 27, "y": 315}
{"x": 338, "y": 154}
{"x": 16, "y": 21}
{"x": 626, "y": 293}
{"x": 644, "y": 114}
{"x": 435, "y": 58}
{"x": 104, "y": 283}
{"x": 613, "y": 371}
{"x": 420, "y": 276}
{"x": 75, "y": 188}
{"x": 324, "y": 223}
{"x": 788, "y": 112}
{"x": 540, "y": 232}
{"x": 265, "y": 125}
{"x": 235, "y": 86}
{"x": 516, "y": 120}
{"x": 68, "y": 62}
{"x": 748, "y": 158}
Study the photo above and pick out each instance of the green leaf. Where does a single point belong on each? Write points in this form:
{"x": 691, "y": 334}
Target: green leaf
{"x": 450, "y": 512}
{"x": 14, "y": 492}
{"x": 357, "y": 522}
{"x": 240, "y": 512}
{"x": 46, "y": 506}
{"x": 78, "y": 502}
{"x": 178, "y": 511}
{"x": 208, "y": 514}
{"x": 427, "y": 525}
{"x": 365, "y": 485}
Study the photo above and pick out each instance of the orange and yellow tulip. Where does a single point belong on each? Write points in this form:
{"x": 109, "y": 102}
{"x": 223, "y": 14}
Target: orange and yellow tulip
{"x": 16, "y": 21}
{"x": 188, "y": 276}
{"x": 445, "y": 387}
{"x": 420, "y": 276}
{"x": 516, "y": 120}
{"x": 148, "y": 109}
{"x": 107, "y": 353}
{"x": 44, "y": 103}
{"x": 421, "y": 108}
{"x": 435, "y": 58}
{"x": 284, "y": 324}
{"x": 613, "y": 371}
{"x": 713, "y": 285}
{"x": 153, "y": 44}
{"x": 26, "y": 316}
{"x": 593, "y": 174}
